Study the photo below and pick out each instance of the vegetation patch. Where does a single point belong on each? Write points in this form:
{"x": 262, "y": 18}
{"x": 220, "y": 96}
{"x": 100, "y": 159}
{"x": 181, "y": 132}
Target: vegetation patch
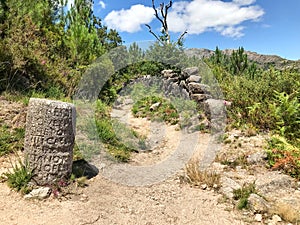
{"x": 239, "y": 161}
{"x": 118, "y": 139}
{"x": 18, "y": 179}
{"x": 284, "y": 156}
{"x": 242, "y": 194}
{"x": 156, "y": 108}
{"x": 11, "y": 139}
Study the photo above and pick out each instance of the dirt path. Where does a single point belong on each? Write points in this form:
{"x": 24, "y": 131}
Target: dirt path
{"x": 105, "y": 202}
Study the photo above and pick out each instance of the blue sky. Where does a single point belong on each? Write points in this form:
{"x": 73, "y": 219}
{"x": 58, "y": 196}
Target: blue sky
{"x": 263, "y": 26}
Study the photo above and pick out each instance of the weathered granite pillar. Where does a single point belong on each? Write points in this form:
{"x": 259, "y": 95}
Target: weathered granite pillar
{"x": 49, "y": 139}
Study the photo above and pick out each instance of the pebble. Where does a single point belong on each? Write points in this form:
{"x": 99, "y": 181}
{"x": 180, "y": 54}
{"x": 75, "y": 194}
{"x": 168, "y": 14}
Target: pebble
{"x": 39, "y": 193}
{"x": 276, "y": 218}
{"x": 204, "y": 186}
{"x": 258, "y": 217}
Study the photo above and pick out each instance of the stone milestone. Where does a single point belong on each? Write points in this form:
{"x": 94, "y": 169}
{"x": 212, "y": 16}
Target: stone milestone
{"x": 49, "y": 140}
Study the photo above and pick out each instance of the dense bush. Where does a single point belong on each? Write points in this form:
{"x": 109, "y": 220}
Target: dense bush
{"x": 43, "y": 45}
{"x": 266, "y": 100}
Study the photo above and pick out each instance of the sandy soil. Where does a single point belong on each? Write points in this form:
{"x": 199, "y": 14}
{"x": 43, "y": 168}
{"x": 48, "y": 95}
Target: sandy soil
{"x": 105, "y": 202}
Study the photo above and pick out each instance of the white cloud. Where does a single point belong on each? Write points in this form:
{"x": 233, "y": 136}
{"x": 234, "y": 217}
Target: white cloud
{"x": 129, "y": 20}
{"x": 102, "y": 4}
{"x": 244, "y": 2}
{"x": 196, "y": 16}
{"x": 235, "y": 32}
{"x": 199, "y": 16}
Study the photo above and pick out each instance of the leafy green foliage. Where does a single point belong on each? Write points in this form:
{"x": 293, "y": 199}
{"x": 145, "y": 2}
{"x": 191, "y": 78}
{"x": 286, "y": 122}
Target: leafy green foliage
{"x": 251, "y": 90}
{"x": 263, "y": 99}
{"x": 43, "y": 45}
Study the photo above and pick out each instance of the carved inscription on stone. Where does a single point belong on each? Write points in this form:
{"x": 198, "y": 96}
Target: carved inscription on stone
{"x": 49, "y": 139}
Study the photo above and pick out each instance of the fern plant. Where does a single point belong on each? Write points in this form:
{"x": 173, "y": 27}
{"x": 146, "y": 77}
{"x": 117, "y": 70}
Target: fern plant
{"x": 286, "y": 111}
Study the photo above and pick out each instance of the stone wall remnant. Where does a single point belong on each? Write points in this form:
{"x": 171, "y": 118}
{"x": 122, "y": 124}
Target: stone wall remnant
{"x": 49, "y": 139}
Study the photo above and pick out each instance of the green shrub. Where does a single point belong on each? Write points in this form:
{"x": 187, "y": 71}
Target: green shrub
{"x": 19, "y": 177}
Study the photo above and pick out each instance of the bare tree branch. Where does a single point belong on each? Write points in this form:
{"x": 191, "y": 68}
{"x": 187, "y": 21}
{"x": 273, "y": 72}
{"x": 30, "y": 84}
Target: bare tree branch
{"x": 162, "y": 18}
{"x": 151, "y": 32}
{"x": 181, "y": 36}
{"x": 156, "y": 13}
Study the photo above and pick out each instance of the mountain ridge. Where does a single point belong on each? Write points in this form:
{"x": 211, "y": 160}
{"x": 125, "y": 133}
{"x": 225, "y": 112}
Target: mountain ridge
{"x": 262, "y": 60}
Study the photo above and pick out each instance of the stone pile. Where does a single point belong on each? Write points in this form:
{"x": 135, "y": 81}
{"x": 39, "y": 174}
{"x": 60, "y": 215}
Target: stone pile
{"x": 188, "y": 85}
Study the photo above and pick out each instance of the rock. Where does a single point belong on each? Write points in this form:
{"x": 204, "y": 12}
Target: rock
{"x": 272, "y": 182}
{"x": 200, "y": 97}
{"x": 173, "y": 79}
{"x": 49, "y": 139}
{"x": 257, "y": 203}
{"x": 258, "y": 217}
{"x": 187, "y": 72}
{"x": 227, "y": 186}
{"x": 184, "y": 94}
{"x": 39, "y": 193}
{"x": 197, "y": 88}
{"x": 276, "y": 218}
{"x": 194, "y": 78}
{"x": 288, "y": 207}
{"x": 257, "y": 158}
{"x": 182, "y": 84}
{"x": 205, "y": 123}
{"x": 175, "y": 90}
{"x": 214, "y": 108}
{"x": 168, "y": 73}
{"x": 227, "y": 104}
{"x": 203, "y": 186}
{"x": 82, "y": 168}
{"x": 128, "y": 101}
{"x": 155, "y": 106}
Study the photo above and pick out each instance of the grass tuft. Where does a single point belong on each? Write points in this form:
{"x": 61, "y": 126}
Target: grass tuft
{"x": 20, "y": 176}
{"x": 242, "y": 194}
{"x": 196, "y": 177}
{"x": 11, "y": 140}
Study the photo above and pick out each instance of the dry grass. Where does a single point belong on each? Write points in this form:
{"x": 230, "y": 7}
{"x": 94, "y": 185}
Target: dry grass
{"x": 197, "y": 177}
{"x": 287, "y": 212}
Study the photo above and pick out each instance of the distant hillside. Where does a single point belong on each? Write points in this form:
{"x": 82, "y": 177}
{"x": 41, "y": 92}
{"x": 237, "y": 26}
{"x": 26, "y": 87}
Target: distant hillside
{"x": 264, "y": 61}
